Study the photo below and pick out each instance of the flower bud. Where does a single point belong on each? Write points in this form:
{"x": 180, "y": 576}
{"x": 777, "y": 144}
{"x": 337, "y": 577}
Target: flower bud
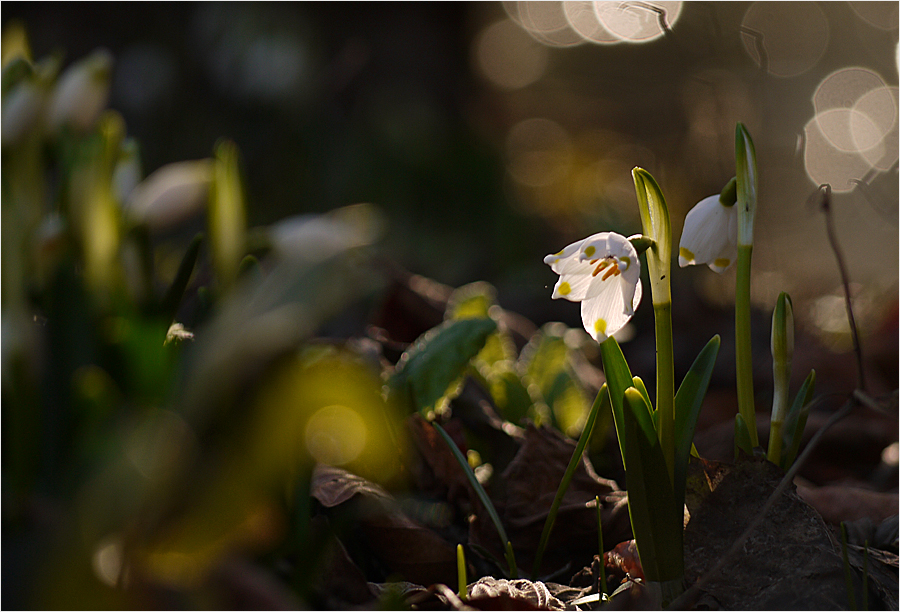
{"x": 81, "y": 93}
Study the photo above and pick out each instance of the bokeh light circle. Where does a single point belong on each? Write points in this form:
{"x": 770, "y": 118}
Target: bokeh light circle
{"x": 508, "y": 57}
{"x": 787, "y": 38}
{"x": 826, "y": 164}
{"x": 857, "y": 120}
{"x": 583, "y": 19}
{"x": 336, "y": 435}
{"x": 881, "y": 15}
{"x": 545, "y": 21}
{"x": 637, "y": 21}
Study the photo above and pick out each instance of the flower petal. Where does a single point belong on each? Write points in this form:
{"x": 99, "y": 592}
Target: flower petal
{"x": 709, "y": 235}
{"x": 608, "y": 312}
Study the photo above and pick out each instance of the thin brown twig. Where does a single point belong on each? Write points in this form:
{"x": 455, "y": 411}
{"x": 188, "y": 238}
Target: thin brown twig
{"x": 825, "y": 190}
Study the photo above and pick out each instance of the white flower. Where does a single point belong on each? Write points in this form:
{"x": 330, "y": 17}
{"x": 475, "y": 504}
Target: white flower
{"x": 81, "y": 92}
{"x": 709, "y": 235}
{"x": 171, "y": 195}
{"x": 602, "y": 272}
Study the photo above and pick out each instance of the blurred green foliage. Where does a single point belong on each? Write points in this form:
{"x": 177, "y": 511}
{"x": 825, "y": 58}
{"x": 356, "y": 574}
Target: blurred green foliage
{"x": 165, "y": 398}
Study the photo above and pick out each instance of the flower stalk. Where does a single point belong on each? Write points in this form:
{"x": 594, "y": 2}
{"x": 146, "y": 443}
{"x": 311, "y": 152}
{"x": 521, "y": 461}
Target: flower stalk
{"x": 655, "y": 221}
{"x": 745, "y": 156}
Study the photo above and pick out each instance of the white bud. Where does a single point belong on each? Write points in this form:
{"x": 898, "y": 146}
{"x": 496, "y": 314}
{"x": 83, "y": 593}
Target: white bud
{"x": 81, "y": 93}
{"x": 171, "y": 195}
{"x": 22, "y": 108}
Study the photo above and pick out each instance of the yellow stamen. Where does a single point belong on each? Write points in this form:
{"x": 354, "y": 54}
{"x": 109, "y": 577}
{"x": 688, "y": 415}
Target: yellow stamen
{"x": 613, "y": 271}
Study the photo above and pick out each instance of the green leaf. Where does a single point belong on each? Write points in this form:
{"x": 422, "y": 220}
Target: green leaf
{"x": 618, "y": 378}
{"x": 509, "y": 393}
{"x": 688, "y": 401}
{"x": 656, "y": 519}
{"x": 655, "y": 220}
{"x": 482, "y": 495}
{"x": 742, "y": 439}
{"x": 601, "y": 402}
{"x": 227, "y": 215}
{"x": 16, "y": 70}
{"x": 172, "y": 298}
{"x": 430, "y": 372}
{"x": 795, "y": 422}
{"x": 545, "y": 365}
{"x": 747, "y": 181}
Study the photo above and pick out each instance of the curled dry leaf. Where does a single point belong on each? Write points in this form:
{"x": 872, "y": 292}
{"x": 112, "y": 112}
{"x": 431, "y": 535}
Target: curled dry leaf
{"x": 405, "y": 548}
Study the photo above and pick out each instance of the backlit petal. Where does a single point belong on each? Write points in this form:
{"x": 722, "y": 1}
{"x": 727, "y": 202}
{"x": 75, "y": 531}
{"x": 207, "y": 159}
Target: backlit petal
{"x": 709, "y": 235}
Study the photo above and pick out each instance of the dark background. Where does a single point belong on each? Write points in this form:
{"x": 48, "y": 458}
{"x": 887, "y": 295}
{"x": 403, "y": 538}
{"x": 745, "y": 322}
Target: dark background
{"x": 336, "y": 103}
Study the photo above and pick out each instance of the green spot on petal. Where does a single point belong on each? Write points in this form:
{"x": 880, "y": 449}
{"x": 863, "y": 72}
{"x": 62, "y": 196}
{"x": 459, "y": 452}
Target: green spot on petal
{"x": 600, "y": 326}
{"x": 686, "y": 253}
{"x": 564, "y": 288}
{"x": 722, "y": 262}
{"x": 625, "y": 259}
{"x": 590, "y": 251}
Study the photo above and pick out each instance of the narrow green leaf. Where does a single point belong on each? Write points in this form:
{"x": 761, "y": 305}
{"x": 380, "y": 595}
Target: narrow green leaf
{"x": 638, "y": 383}
{"x": 655, "y": 221}
{"x": 482, "y": 495}
{"x": 688, "y": 401}
{"x": 461, "y": 572}
{"x": 226, "y": 215}
{"x": 172, "y": 299}
{"x": 741, "y": 436}
{"x": 600, "y": 403}
{"x": 429, "y": 373}
{"x": 795, "y": 422}
{"x": 618, "y": 377}
{"x": 603, "y": 587}
{"x": 747, "y": 183}
{"x": 656, "y": 520}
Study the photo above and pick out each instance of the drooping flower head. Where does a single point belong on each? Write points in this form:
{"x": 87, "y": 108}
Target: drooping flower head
{"x": 602, "y": 272}
{"x": 710, "y": 233}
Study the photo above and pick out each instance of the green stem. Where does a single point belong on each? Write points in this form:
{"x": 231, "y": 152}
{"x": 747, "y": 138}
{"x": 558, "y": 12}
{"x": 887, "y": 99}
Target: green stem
{"x": 600, "y": 544}
{"x": 743, "y": 351}
{"x": 775, "y": 443}
{"x": 461, "y": 572}
{"x": 665, "y": 384}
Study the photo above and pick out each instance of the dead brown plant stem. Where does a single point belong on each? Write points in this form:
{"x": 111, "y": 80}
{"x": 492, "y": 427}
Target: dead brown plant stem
{"x": 825, "y": 190}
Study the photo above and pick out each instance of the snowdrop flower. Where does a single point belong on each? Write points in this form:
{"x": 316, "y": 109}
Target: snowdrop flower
{"x": 81, "y": 92}
{"x": 602, "y": 272}
{"x": 710, "y": 233}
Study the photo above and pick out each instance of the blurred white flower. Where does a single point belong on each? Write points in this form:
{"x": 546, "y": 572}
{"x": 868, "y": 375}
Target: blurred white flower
{"x": 313, "y": 237}
{"x": 602, "y": 272}
{"x": 81, "y": 92}
{"x": 22, "y": 108}
{"x": 709, "y": 235}
{"x": 171, "y": 195}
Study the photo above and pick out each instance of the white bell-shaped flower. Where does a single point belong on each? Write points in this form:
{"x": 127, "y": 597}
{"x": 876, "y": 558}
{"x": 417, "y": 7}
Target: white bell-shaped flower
{"x": 602, "y": 272}
{"x": 709, "y": 235}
